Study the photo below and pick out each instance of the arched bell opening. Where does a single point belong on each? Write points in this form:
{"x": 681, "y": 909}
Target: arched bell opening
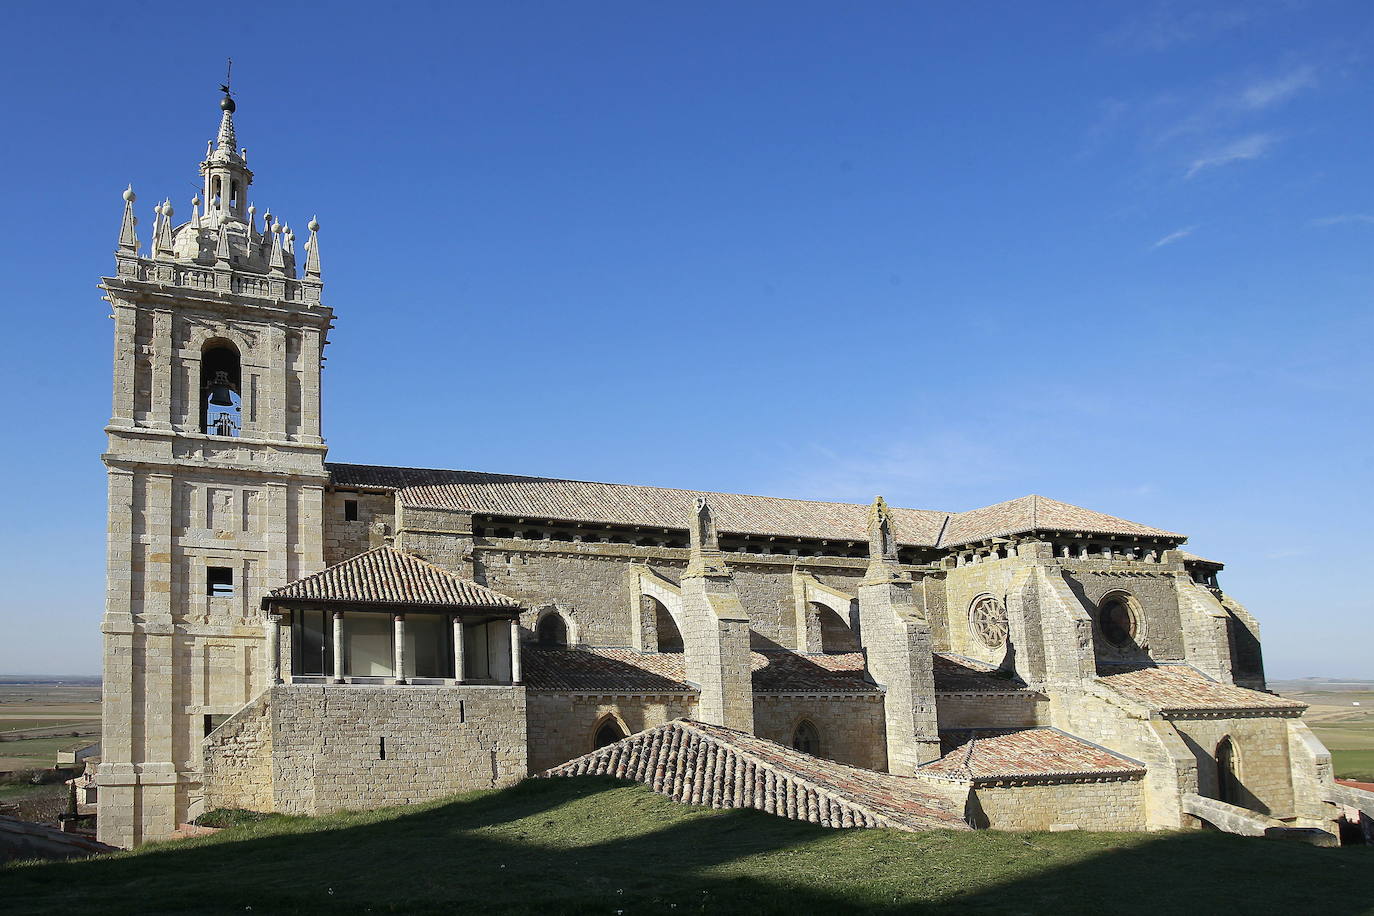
{"x": 220, "y": 387}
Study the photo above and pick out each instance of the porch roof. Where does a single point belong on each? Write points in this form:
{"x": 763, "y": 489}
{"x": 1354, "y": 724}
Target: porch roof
{"x": 394, "y": 578}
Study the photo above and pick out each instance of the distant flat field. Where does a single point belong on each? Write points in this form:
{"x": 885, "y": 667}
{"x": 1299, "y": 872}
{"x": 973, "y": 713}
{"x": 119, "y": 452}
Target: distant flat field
{"x": 1345, "y": 728}
{"x": 54, "y": 711}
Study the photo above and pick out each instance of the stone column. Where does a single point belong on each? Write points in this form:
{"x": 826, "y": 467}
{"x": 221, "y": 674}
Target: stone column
{"x": 274, "y": 647}
{"x": 338, "y": 647}
{"x": 515, "y": 672}
{"x": 458, "y": 649}
{"x": 399, "y": 643}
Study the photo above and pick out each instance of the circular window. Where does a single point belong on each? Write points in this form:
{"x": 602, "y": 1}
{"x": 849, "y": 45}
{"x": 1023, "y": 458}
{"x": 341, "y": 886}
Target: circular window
{"x": 988, "y": 621}
{"x": 1117, "y": 620}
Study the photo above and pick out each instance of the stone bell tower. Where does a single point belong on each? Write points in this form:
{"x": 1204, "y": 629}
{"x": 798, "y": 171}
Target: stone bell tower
{"x": 216, "y": 479}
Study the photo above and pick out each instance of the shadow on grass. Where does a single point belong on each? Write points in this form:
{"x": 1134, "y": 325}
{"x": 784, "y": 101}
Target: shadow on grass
{"x": 596, "y": 845}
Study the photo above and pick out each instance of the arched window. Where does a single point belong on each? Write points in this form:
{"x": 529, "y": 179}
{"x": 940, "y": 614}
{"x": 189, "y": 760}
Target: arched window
{"x": 806, "y": 739}
{"x": 608, "y": 732}
{"x": 1117, "y": 620}
{"x": 219, "y": 389}
{"x": 551, "y": 630}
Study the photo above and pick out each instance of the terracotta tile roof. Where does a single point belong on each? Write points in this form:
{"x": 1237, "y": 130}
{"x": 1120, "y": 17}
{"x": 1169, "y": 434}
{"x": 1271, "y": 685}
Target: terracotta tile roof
{"x": 555, "y": 669}
{"x": 1194, "y": 558}
{"x": 1038, "y": 513}
{"x": 547, "y": 668}
{"x": 1182, "y": 687}
{"x": 658, "y": 507}
{"x": 1028, "y": 753}
{"x": 956, "y": 674}
{"x": 793, "y": 672}
{"x": 390, "y": 576}
{"x": 708, "y": 765}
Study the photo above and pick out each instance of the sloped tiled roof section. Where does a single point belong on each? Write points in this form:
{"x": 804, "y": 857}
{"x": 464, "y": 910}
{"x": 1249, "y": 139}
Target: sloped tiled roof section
{"x": 701, "y": 764}
{"x": 1182, "y": 688}
{"x": 578, "y": 669}
{"x": 624, "y": 504}
{"x": 957, "y": 674}
{"x": 658, "y": 507}
{"x": 1028, "y": 753}
{"x": 1039, "y": 513}
{"x": 386, "y": 575}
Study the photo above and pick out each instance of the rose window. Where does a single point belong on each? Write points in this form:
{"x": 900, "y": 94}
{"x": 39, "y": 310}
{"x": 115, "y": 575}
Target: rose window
{"x": 988, "y": 621}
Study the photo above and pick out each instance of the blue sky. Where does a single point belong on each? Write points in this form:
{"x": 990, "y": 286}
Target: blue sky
{"x": 1115, "y": 253}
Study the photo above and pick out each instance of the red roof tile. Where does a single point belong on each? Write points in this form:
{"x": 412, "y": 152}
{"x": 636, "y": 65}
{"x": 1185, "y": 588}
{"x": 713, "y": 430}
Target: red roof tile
{"x": 658, "y": 507}
{"x": 709, "y": 765}
{"x": 1030, "y": 753}
{"x": 556, "y": 669}
{"x": 385, "y": 575}
{"x": 1182, "y": 688}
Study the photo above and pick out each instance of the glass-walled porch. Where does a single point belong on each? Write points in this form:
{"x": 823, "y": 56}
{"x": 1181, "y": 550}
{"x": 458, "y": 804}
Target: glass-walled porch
{"x": 332, "y": 645}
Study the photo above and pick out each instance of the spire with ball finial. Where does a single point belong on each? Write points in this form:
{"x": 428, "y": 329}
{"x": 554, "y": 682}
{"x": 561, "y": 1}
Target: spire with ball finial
{"x": 312, "y": 249}
{"x": 128, "y": 238}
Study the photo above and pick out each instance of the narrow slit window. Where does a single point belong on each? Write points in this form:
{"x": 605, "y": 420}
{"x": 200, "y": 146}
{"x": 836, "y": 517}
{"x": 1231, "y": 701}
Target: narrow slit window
{"x": 350, "y": 510}
{"x": 219, "y": 581}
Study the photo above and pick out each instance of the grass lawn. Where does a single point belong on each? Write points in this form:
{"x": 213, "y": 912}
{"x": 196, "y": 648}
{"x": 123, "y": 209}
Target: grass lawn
{"x": 594, "y": 845}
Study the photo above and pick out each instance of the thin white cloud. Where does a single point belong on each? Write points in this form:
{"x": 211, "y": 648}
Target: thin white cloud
{"x": 1246, "y": 148}
{"x": 1344, "y": 218}
{"x": 1270, "y": 92}
{"x": 1164, "y": 25}
{"x": 1174, "y": 237}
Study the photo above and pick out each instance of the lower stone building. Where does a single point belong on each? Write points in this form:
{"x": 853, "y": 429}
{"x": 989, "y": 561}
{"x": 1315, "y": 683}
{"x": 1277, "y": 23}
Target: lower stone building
{"x": 287, "y": 634}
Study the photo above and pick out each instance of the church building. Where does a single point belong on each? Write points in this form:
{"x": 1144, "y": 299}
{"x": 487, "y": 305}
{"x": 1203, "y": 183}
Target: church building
{"x": 285, "y": 633}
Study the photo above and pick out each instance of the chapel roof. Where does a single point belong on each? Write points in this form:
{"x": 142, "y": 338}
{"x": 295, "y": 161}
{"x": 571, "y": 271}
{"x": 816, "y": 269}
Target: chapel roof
{"x": 711, "y": 765}
{"x": 585, "y": 668}
{"x": 385, "y": 575}
{"x": 1183, "y": 688}
{"x": 1026, "y": 753}
{"x": 659, "y": 507}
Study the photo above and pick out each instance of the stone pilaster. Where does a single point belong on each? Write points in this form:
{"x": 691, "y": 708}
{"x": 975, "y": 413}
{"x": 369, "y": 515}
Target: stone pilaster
{"x": 898, "y": 650}
{"x": 716, "y": 636}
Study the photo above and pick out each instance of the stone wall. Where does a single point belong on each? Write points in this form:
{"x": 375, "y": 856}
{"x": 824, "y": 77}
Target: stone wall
{"x": 339, "y": 747}
{"x": 238, "y": 760}
{"x": 562, "y": 725}
{"x": 376, "y": 521}
{"x": 1087, "y": 805}
{"x": 852, "y": 729}
{"x": 587, "y": 581}
{"x": 991, "y": 710}
{"x": 1263, "y": 764}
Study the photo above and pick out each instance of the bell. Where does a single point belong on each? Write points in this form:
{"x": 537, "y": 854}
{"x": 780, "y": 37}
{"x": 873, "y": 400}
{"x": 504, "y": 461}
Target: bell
{"x": 220, "y": 390}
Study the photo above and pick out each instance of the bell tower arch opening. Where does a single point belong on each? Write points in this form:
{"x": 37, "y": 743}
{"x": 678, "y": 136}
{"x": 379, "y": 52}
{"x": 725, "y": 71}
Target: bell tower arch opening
{"x": 221, "y": 374}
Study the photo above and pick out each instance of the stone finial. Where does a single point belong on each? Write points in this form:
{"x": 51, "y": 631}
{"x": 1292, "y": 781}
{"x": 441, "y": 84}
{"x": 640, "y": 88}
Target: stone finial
{"x": 883, "y": 565}
{"x": 195, "y": 212}
{"x": 222, "y": 247}
{"x": 312, "y": 249}
{"x": 277, "y": 261}
{"x": 882, "y": 539}
{"x": 128, "y": 238}
{"x": 705, "y": 558}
